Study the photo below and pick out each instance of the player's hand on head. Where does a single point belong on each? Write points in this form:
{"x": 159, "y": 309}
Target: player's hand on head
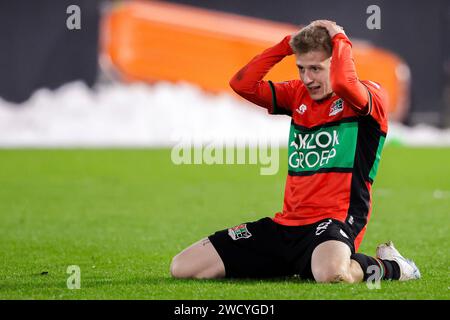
{"x": 331, "y": 26}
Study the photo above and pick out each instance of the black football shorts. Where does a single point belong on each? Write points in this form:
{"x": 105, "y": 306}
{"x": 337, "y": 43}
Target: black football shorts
{"x": 266, "y": 249}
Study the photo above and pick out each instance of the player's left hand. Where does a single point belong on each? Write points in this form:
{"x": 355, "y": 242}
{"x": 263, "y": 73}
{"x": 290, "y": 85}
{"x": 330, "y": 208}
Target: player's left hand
{"x": 331, "y": 26}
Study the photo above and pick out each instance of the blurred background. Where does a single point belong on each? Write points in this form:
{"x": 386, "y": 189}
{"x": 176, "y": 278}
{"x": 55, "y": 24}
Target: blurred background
{"x": 145, "y": 73}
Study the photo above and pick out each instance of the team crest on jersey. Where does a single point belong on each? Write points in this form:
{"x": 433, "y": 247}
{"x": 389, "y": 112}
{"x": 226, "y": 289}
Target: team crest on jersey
{"x": 301, "y": 109}
{"x": 239, "y": 232}
{"x": 336, "y": 107}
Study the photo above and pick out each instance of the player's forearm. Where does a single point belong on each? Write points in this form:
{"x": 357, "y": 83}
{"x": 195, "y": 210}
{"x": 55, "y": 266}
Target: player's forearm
{"x": 248, "y": 82}
{"x": 344, "y": 80}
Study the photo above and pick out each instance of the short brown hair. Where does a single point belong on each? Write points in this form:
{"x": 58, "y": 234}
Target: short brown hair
{"x": 311, "y": 38}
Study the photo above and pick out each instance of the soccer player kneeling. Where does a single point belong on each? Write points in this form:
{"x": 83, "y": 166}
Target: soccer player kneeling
{"x": 338, "y": 128}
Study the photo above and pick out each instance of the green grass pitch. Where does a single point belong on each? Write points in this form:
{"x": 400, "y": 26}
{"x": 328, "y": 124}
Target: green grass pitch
{"x": 120, "y": 215}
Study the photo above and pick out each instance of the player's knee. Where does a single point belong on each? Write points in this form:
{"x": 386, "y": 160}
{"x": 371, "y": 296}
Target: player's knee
{"x": 331, "y": 274}
{"x": 177, "y": 268}
{"x": 183, "y": 268}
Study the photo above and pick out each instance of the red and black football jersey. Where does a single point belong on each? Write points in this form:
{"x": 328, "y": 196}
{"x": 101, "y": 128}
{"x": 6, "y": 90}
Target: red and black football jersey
{"x": 334, "y": 144}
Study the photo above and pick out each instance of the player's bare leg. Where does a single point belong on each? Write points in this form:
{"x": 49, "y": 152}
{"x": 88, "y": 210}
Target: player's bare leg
{"x": 199, "y": 261}
{"x": 331, "y": 262}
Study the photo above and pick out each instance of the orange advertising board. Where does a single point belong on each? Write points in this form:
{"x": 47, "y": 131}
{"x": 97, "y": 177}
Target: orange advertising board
{"x": 151, "y": 41}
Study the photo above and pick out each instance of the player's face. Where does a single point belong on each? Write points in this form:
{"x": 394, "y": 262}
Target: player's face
{"x": 314, "y": 69}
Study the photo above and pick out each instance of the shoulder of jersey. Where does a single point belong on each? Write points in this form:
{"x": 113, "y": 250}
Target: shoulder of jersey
{"x": 292, "y": 83}
{"x": 298, "y": 85}
{"x": 372, "y": 84}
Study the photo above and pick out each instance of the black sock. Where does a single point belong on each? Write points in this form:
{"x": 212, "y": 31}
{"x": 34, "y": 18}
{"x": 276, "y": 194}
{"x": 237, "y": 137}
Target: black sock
{"x": 389, "y": 270}
{"x": 392, "y": 270}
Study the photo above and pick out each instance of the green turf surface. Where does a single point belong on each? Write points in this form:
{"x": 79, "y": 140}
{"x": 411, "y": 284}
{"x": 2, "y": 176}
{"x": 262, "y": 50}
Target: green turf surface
{"x": 120, "y": 215}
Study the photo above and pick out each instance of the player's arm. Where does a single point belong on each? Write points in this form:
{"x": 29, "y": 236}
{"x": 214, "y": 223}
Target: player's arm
{"x": 343, "y": 77}
{"x": 248, "y": 82}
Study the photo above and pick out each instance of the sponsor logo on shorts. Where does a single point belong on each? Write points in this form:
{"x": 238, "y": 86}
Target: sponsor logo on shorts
{"x": 239, "y": 232}
{"x": 344, "y": 234}
{"x": 322, "y": 227}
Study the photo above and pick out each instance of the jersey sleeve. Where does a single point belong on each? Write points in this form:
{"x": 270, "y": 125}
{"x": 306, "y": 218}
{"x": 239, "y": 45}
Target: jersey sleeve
{"x": 343, "y": 77}
{"x": 249, "y": 84}
{"x": 283, "y": 96}
{"x": 377, "y": 103}
{"x": 365, "y": 97}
